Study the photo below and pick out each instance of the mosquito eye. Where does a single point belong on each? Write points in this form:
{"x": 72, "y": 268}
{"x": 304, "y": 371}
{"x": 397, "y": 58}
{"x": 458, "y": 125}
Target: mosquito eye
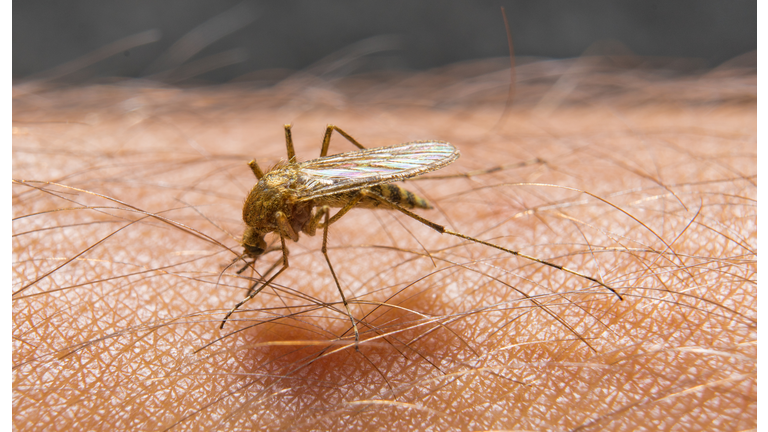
{"x": 253, "y": 250}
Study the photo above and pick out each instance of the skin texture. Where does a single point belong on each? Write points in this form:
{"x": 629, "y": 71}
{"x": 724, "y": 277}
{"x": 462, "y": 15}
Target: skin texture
{"x": 122, "y": 276}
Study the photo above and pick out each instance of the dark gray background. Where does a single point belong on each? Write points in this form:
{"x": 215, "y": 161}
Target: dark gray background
{"x": 294, "y": 34}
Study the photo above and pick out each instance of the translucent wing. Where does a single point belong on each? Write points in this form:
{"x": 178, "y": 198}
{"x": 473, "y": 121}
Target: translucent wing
{"x": 356, "y": 170}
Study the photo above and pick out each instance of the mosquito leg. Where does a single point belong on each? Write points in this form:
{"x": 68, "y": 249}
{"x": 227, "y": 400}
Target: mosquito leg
{"x": 255, "y": 169}
{"x": 311, "y": 227}
{"x": 442, "y": 230}
{"x": 347, "y": 207}
{"x": 335, "y": 279}
{"x": 327, "y": 139}
{"x": 269, "y": 270}
{"x": 245, "y": 266}
{"x": 324, "y": 211}
{"x": 253, "y": 292}
{"x": 289, "y": 143}
{"x": 284, "y": 226}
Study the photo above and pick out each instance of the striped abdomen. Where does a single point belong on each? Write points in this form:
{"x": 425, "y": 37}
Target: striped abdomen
{"x": 391, "y": 192}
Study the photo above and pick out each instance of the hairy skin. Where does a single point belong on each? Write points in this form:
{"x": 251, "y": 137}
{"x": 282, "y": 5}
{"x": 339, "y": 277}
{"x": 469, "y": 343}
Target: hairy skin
{"x": 122, "y": 276}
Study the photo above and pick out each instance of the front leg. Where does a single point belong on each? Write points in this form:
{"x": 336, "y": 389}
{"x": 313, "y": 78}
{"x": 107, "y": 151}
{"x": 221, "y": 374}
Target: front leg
{"x": 284, "y": 227}
{"x": 252, "y": 292}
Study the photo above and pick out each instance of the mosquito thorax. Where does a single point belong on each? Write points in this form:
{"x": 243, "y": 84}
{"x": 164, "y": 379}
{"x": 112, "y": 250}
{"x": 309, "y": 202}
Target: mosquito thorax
{"x": 273, "y": 194}
{"x": 266, "y": 198}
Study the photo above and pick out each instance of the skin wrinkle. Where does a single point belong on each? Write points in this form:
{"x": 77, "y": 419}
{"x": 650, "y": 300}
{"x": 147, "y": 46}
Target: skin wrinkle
{"x": 453, "y": 335}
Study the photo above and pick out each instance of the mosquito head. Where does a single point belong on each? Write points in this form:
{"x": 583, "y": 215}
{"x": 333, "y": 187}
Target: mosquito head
{"x": 253, "y": 242}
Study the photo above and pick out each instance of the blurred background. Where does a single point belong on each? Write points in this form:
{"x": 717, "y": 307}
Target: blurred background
{"x": 194, "y": 42}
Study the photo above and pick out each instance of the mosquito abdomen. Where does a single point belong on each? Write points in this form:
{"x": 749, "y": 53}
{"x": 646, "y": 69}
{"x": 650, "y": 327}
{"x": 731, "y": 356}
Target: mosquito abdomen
{"x": 391, "y": 192}
{"x": 399, "y": 195}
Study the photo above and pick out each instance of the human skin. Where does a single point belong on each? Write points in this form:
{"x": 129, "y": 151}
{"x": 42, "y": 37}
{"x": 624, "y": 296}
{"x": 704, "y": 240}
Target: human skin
{"x": 127, "y": 207}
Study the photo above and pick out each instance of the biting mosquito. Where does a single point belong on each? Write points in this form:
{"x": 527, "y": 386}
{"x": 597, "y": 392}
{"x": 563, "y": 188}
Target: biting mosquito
{"x": 285, "y": 197}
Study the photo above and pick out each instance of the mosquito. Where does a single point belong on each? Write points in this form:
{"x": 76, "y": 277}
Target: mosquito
{"x": 285, "y": 197}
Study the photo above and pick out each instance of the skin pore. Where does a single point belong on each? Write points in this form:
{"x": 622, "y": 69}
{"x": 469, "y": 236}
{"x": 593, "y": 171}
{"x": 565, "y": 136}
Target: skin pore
{"x": 127, "y": 212}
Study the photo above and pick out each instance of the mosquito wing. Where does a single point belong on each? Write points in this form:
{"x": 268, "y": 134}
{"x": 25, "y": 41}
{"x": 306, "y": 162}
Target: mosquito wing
{"x": 356, "y": 170}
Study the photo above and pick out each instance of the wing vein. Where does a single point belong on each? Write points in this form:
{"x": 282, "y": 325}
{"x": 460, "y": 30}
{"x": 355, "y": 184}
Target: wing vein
{"x": 356, "y": 170}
